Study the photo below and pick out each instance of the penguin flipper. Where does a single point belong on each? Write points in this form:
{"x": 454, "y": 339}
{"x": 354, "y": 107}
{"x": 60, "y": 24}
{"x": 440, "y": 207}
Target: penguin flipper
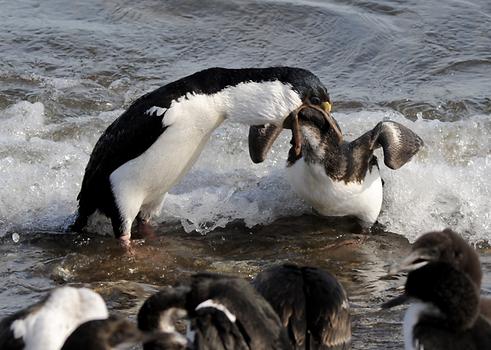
{"x": 261, "y": 139}
{"x": 399, "y": 143}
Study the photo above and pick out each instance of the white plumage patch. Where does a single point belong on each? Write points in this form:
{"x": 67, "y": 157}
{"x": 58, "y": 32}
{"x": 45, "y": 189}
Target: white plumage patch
{"x": 254, "y": 103}
{"x": 142, "y": 183}
{"x": 157, "y": 110}
{"x": 66, "y": 308}
{"x": 411, "y": 318}
{"x": 395, "y": 132}
{"x": 167, "y": 318}
{"x": 216, "y": 305}
{"x": 337, "y": 198}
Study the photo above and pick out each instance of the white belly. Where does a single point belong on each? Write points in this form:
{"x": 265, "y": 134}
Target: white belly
{"x": 145, "y": 180}
{"x": 337, "y": 198}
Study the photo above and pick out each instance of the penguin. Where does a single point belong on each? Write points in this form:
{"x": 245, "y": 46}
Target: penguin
{"x": 48, "y": 323}
{"x": 115, "y": 333}
{"x": 444, "y": 311}
{"x": 222, "y": 312}
{"x": 339, "y": 178}
{"x": 153, "y": 144}
{"x": 449, "y": 247}
{"x": 311, "y": 303}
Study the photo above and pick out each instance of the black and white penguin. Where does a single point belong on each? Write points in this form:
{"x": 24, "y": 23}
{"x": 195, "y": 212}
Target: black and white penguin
{"x": 444, "y": 311}
{"x": 47, "y": 324}
{"x": 311, "y": 303}
{"x": 222, "y": 312}
{"x": 339, "y": 178}
{"x": 449, "y": 247}
{"x": 152, "y": 145}
{"x": 115, "y": 333}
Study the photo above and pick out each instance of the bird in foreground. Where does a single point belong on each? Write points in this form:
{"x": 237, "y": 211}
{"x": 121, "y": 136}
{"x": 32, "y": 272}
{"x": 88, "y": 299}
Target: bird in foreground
{"x": 311, "y": 303}
{"x": 222, "y": 312}
{"x": 444, "y": 311}
{"x": 339, "y": 178}
{"x": 449, "y": 247}
{"x": 115, "y": 333}
{"x": 153, "y": 144}
{"x": 47, "y": 324}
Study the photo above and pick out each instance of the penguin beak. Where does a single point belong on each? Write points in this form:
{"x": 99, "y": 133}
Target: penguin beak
{"x": 326, "y": 106}
{"x": 417, "y": 259}
{"x": 398, "y": 300}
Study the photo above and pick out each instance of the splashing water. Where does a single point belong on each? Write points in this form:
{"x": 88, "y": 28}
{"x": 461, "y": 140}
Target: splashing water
{"x": 444, "y": 185}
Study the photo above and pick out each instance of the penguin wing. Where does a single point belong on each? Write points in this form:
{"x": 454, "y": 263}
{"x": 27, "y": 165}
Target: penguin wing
{"x": 283, "y": 287}
{"x": 126, "y": 138}
{"x": 257, "y": 322}
{"x": 214, "y": 330}
{"x": 309, "y": 301}
{"x": 261, "y": 139}
{"x": 327, "y": 308}
{"x": 399, "y": 143}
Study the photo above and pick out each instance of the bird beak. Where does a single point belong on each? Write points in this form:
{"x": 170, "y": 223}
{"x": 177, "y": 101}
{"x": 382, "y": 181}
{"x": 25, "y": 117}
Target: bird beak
{"x": 398, "y": 300}
{"x": 417, "y": 259}
{"x": 326, "y": 106}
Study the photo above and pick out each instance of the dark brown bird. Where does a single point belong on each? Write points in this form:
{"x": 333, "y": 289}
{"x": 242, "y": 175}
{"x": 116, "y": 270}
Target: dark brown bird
{"x": 444, "y": 312}
{"x": 445, "y": 246}
{"x": 311, "y": 304}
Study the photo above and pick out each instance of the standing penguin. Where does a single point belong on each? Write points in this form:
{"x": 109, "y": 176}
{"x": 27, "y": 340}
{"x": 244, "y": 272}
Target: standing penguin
{"x": 152, "y": 145}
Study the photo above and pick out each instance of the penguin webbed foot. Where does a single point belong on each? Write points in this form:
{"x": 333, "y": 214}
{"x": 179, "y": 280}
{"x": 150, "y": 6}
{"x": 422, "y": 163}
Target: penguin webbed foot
{"x": 125, "y": 243}
{"x": 145, "y": 230}
{"x": 78, "y": 225}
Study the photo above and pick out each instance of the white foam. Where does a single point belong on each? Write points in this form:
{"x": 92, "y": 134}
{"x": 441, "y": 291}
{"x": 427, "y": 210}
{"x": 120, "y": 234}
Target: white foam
{"x": 446, "y": 184}
{"x": 41, "y": 166}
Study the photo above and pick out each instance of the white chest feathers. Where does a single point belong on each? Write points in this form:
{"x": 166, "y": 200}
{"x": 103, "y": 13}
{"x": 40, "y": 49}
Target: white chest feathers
{"x": 337, "y": 198}
{"x": 66, "y": 308}
{"x": 412, "y": 316}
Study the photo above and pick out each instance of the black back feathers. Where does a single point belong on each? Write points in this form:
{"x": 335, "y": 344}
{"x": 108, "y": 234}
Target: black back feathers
{"x": 311, "y": 303}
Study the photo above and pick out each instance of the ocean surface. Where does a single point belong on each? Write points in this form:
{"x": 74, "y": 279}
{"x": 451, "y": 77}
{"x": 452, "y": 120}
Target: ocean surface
{"x": 68, "y": 69}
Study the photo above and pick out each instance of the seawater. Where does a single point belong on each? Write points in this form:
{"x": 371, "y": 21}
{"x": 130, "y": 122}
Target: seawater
{"x": 68, "y": 69}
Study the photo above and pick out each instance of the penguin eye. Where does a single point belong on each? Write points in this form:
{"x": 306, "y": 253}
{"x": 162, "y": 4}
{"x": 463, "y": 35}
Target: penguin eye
{"x": 315, "y": 100}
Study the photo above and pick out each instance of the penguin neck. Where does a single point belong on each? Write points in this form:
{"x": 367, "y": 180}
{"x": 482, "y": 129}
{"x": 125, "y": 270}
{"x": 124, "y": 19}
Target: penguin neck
{"x": 324, "y": 149}
{"x": 449, "y": 290}
{"x": 254, "y": 103}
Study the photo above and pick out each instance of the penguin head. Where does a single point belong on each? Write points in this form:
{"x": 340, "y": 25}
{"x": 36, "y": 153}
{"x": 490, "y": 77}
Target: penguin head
{"x": 450, "y": 291}
{"x": 314, "y": 131}
{"x": 309, "y": 91}
{"x": 444, "y": 246}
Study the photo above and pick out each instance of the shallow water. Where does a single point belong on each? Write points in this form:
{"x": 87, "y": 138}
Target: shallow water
{"x": 40, "y": 261}
{"x": 67, "y": 70}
